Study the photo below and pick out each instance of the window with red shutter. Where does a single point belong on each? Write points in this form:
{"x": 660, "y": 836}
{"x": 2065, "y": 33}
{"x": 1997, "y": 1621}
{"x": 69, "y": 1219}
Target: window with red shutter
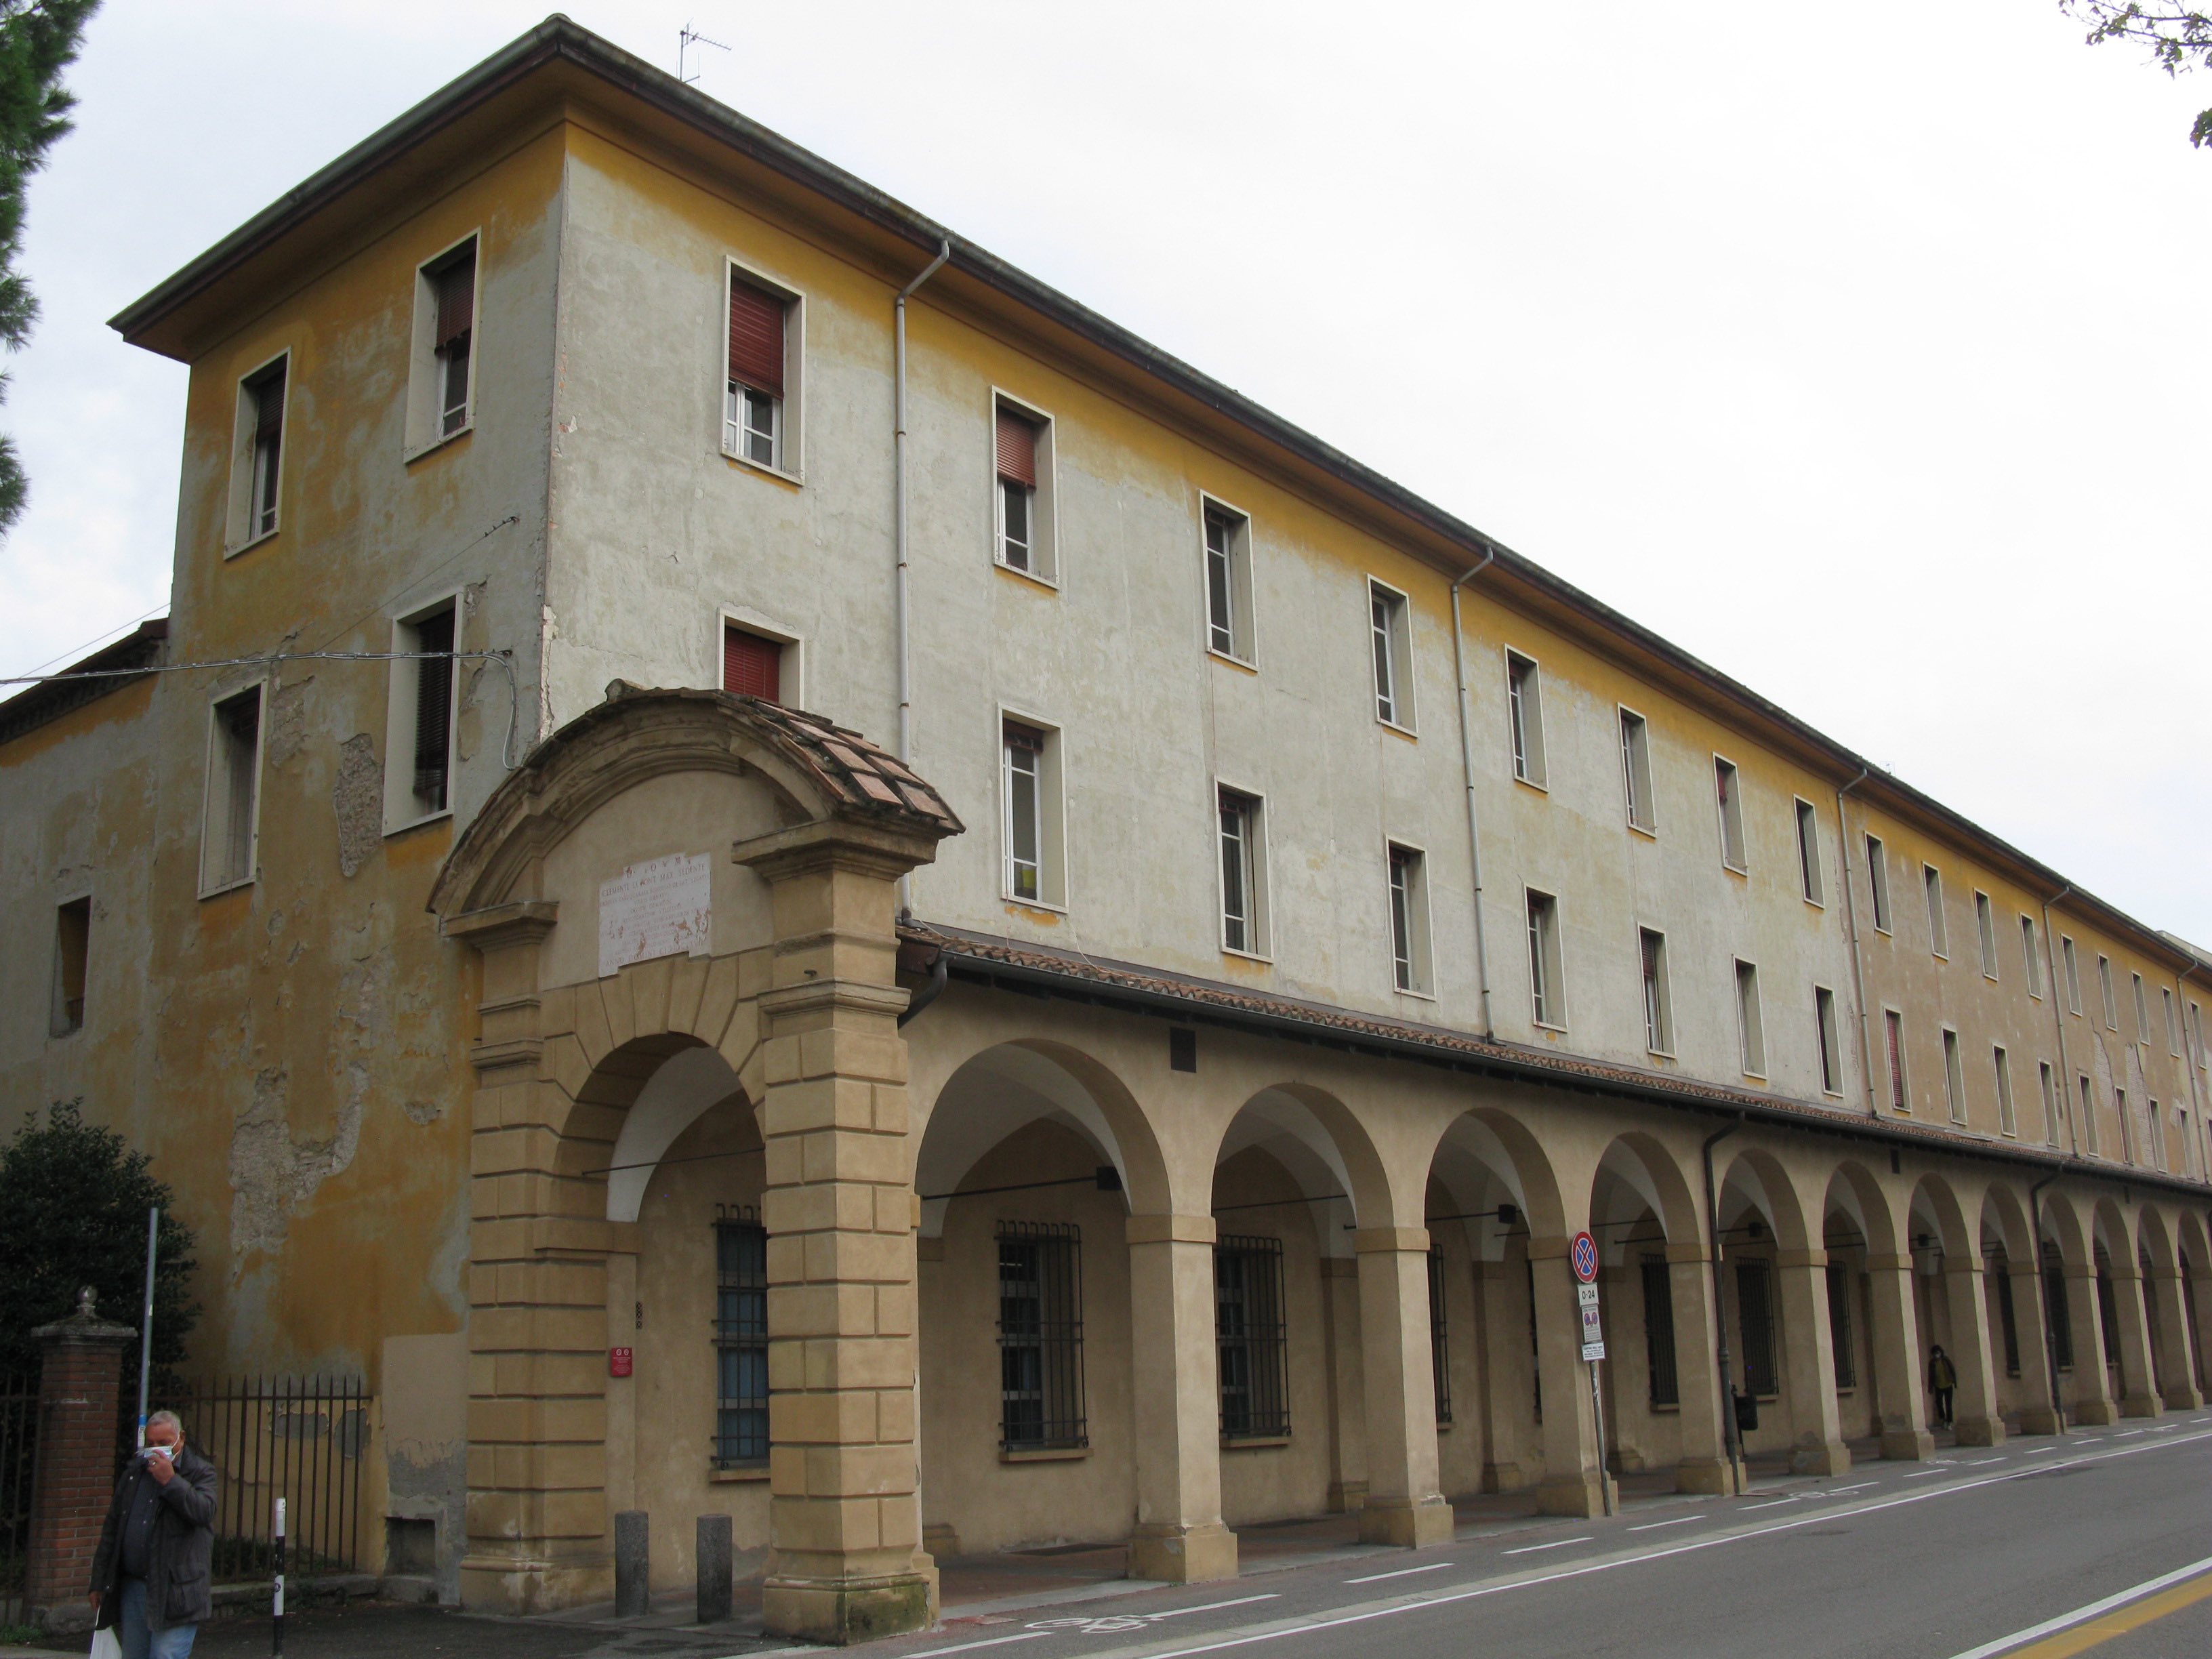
{"x": 752, "y": 666}
{"x": 1024, "y": 466}
{"x": 1017, "y": 448}
{"x": 753, "y": 415}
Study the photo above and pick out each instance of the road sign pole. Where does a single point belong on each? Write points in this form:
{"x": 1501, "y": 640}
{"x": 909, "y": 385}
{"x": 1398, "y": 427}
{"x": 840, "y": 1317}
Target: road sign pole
{"x": 1597, "y": 1409}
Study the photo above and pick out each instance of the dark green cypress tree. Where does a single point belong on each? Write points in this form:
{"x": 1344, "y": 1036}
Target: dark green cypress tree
{"x": 39, "y": 39}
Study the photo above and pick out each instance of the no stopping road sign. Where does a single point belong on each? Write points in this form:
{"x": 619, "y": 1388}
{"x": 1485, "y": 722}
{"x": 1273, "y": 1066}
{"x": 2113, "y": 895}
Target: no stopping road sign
{"x": 1582, "y": 1256}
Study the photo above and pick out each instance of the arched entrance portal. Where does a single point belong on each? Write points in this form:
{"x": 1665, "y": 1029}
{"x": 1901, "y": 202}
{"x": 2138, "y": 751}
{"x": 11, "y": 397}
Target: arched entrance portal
{"x": 691, "y": 1087}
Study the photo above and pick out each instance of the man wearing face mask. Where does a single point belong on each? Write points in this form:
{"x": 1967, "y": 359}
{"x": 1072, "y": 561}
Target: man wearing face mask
{"x": 149, "y": 1575}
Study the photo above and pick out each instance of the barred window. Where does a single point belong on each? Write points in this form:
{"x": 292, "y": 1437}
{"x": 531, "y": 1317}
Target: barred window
{"x": 1439, "y": 1338}
{"x": 1840, "y": 1325}
{"x": 741, "y": 1341}
{"x": 1040, "y": 1336}
{"x": 1659, "y": 1332}
{"x": 1755, "y": 1309}
{"x": 2008, "y": 1316}
{"x": 1247, "y": 1311}
{"x": 2062, "y": 1325}
{"x": 1535, "y": 1351}
{"x": 2108, "y": 1317}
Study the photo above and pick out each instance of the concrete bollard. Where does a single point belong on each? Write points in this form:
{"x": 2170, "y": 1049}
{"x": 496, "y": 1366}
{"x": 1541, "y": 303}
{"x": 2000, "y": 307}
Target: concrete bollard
{"x": 715, "y": 1567}
{"x": 633, "y": 1579}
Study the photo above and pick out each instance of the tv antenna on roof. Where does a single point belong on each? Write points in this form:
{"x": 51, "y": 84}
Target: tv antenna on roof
{"x": 686, "y": 37}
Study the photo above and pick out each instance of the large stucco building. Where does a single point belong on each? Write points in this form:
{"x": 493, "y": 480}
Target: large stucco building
{"x": 1067, "y": 975}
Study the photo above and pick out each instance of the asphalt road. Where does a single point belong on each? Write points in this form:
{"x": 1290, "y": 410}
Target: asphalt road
{"x": 1893, "y": 1561}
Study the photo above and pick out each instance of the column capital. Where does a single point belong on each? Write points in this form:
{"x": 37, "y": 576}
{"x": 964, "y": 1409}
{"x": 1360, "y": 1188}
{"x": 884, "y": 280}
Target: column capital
{"x": 497, "y": 926}
{"x": 1801, "y": 1258}
{"x": 1543, "y": 1249}
{"x": 1888, "y": 1261}
{"x": 1170, "y": 1229}
{"x": 1369, "y": 1241}
{"x": 84, "y": 1329}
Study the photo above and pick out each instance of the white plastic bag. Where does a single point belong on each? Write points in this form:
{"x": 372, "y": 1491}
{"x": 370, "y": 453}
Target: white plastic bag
{"x": 105, "y": 1645}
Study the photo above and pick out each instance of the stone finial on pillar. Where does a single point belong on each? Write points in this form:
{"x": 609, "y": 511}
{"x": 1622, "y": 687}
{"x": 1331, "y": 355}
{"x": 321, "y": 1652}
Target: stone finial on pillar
{"x": 80, "y": 1384}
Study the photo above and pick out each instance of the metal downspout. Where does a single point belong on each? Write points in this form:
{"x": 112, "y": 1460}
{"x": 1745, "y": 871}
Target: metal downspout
{"x": 1731, "y": 1436}
{"x": 1466, "y": 772}
{"x": 2051, "y": 968}
{"x": 899, "y": 536}
{"x": 2043, "y": 1292}
{"x": 1858, "y": 964}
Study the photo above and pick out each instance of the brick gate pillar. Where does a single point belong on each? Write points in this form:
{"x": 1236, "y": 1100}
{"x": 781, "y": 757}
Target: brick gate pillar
{"x": 1896, "y": 1345}
{"x": 844, "y": 1561}
{"x": 1808, "y": 1357}
{"x": 1404, "y": 1504}
{"x": 80, "y": 1387}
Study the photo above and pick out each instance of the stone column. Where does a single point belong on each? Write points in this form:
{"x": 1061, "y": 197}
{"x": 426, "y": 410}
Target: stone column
{"x": 1347, "y": 1395}
{"x": 2166, "y": 1288}
{"x": 80, "y": 1383}
{"x": 1575, "y": 1480}
{"x": 2037, "y": 1414}
{"x": 845, "y": 1560}
{"x": 1405, "y": 1502}
{"x": 1176, "y": 1403}
{"x": 2093, "y": 1397}
{"x": 1974, "y": 1405}
{"x": 2139, "y": 1387}
{"x": 1809, "y": 1359}
{"x": 1895, "y": 1341}
{"x": 538, "y": 1513}
{"x": 1707, "y": 1465}
{"x": 2200, "y": 1363}
{"x": 1502, "y": 1339}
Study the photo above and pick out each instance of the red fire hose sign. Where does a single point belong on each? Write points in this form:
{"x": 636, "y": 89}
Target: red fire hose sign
{"x": 1582, "y": 1256}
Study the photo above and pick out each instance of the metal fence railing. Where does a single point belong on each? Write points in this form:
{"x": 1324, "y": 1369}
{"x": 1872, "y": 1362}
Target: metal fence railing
{"x": 300, "y": 1438}
{"x": 19, "y": 1458}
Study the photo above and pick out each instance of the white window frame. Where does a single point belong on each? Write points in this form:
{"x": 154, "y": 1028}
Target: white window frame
{"x": 402, "y": 692}
{"x": 1729, "y": 810}
{"x": 1639, "y": 792}
{"x": 789, "y": 438}
{"x": 1878, "y": 883}
{"x": 1655, "y": 993}
{"x": 2031, "y": 952}
{"x": 1939, "y": 927}
{"x": 1750, "y": 1020}
{"x": 1985, "y": 932}
{"x": 1052, "y": 813}
{"x": 1421, "y": 979}
{"x": 2088, "y": 1113}
{"x": 1259, "y": 947}
{"x": 2072, "y": 962}
{"x": 1395, "y": 708}
{"x": 2053, "y": 1101}
{"x": 2173, "y": 1021}
{"x": 790, "y": 672}
{"x": 1954, "y": 1074}
{"x": 425, "y": 403}
{"x": 239, "y": 532}
{"x": 1897, "y": 1077}
{"x": 1829, "y": 1037}
{"x": 258, "y": 687}
{"x": 2105, "y": 989}
{"x": 1044, "y": 500}
{"x": 1811, "y": 870}
{"x": 57, "y": 1008}
{"x": 1241, "y": 588}
{"x": 2142, "y": 1011}
{"x": 1548, "y": 967}
{"x": 2007, "y": 1119}
{"x": 1524, "y": 719}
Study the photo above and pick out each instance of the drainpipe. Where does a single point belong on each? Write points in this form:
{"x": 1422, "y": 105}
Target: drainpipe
{"x": 1858, "y": 965}
{"x": 898, "y": 472}
{"x": 1466, "y": 772}
{"x": 2043, "y": 1292}
{"x": 1731, "y": 1436}
{"x": 929, "y": 992}
{"x": 2052, "y": 965}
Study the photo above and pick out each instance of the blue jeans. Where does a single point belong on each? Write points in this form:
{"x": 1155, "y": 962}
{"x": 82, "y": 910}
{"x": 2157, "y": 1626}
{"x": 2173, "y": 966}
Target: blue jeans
{"x": 138, "y": 1641}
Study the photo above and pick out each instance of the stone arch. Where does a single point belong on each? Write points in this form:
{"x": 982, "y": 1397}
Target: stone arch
{"x": 1320, "y": 1143}
{"x": 1937, "y": 1220}
{"x": 2004, "y": 1216}
{"x": 2155, "y": 1240}
{"x": 1636, "y": 1163}
{"x": 1756, "y": 1180}
{"x": 1854, "y": 1194}
{"x": 2063, "y": 1229}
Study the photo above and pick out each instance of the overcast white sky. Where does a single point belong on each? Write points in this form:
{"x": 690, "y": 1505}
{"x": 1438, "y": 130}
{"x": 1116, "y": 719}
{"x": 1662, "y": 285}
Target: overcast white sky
{"x": 1858, "y": 349}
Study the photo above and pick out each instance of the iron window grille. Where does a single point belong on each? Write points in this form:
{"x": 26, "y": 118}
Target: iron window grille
{"x": 1840, "y": 1325}
{"x": 2006, "y": 1314}
{"x": 1754, "y": 1304}
{"x": 2061, "y": 1322}
{"x": 1041, "y": 1336}
{"x": 1439, "y": 1338}
{"x": 1665, "y": 1388}
{"x": 1247, "y": 1311}
{"x": 2108, "y": 1314}
{"x": 1536, "y": 1349}
{"x": 741, "y": 1341}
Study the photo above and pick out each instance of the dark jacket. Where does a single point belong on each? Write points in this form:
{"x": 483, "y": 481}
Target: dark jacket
{"x": 1942, "y": 1374}
{"x": 183, "y": 1547}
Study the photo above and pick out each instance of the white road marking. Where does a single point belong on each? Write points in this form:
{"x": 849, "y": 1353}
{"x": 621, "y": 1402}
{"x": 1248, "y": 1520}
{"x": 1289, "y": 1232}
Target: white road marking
{"x": 1444, "y": 1598}
{"x": 1213, "y": 1607}
{"x": 1862, "y": 1487}
{"x": 1676, "y": 1521}
{"x": 988, "y": 1641}
{"x": 1556, "y": 1544}
{"x": 1976, "y": 1462}
{"x": 2083, "y": 1615}
{"x": 1770, "y": 1503}
{"x": 1402, "y": 1572}
{"x": 2039, "y": 1451}
{"x": 1921, "y": 1474}
{"x": 2091, "y": 1439}
{"x": 2130, "y": 1434}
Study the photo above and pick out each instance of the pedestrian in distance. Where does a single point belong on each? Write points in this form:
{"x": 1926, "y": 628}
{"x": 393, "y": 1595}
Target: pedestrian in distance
{"x": 1942, "y": 1378}
{"x": 150, "y": 1574}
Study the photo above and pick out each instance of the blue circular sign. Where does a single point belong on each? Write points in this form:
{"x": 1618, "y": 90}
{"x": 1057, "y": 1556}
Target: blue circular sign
{"x": 1581, "y": 1255}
